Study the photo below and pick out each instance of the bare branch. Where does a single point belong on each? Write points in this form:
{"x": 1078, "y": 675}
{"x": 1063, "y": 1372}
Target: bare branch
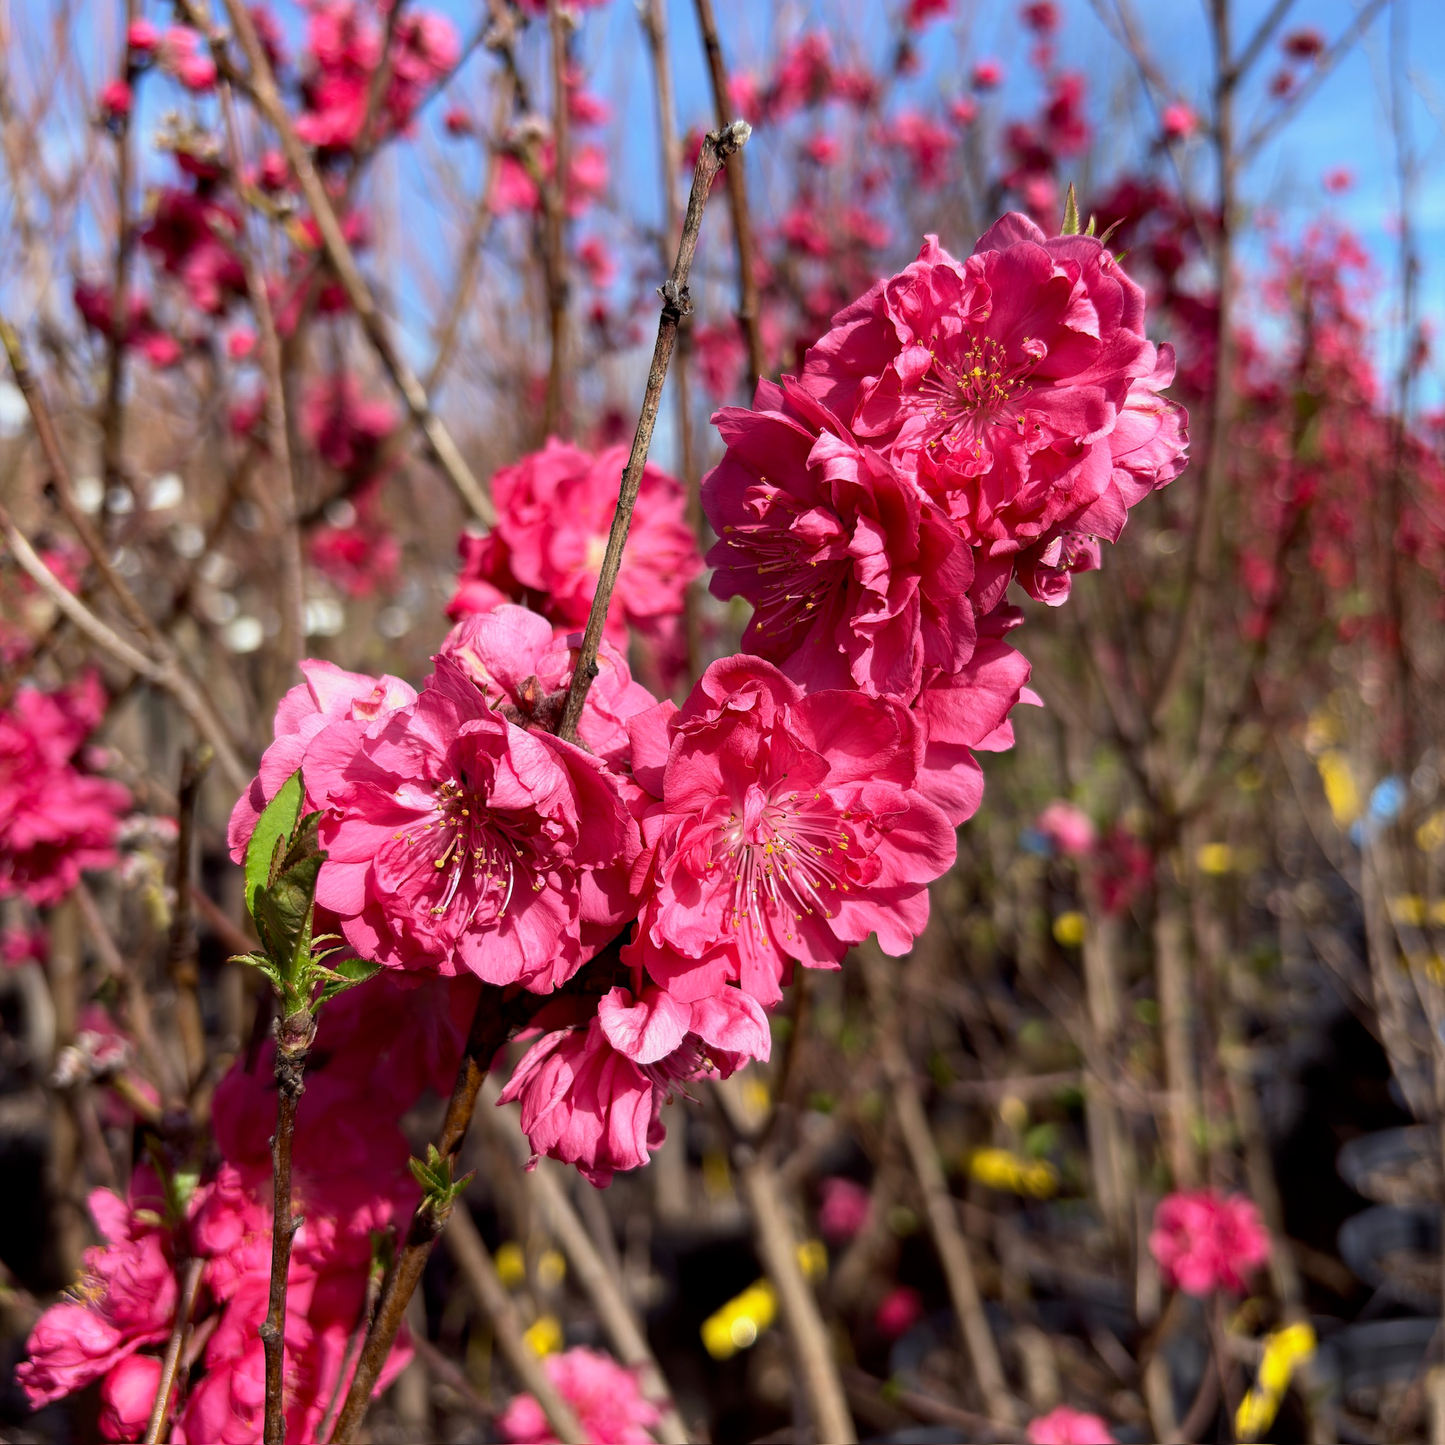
{"x": 675, "y": 303}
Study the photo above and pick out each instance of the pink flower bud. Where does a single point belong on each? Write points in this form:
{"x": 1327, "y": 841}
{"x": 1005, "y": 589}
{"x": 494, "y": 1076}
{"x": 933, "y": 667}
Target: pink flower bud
{"x": 115, "y": 100}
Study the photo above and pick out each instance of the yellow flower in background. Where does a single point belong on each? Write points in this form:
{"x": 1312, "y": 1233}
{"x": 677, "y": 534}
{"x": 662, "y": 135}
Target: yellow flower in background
{"x": 545, "y": 1336}
{"x": 737, "y": 1325}
{"x": 1431, "y": 833}
{"x": 1408, "y": 908}
{"x": 1069, "y": 929}
{"x": 1215, "y": 858}
{"x": 1009, "y": 1173}
{"x": 551, "y": 1269}
{"x": 1341, "y": 791}
{"x": 813, "y": 1259}
{"x": 511, "y": 1264}
{"x": 1284, "y": 1351}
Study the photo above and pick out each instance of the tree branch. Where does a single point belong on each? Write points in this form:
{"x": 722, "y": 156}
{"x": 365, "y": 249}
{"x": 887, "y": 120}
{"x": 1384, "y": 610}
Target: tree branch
{"x": 476, "y": 1267}
{"x": 716, "y": 149}
{"x": 748, "y": 315}
{"x": 293, "y": 1042}
{"x": 156, "y": 1427}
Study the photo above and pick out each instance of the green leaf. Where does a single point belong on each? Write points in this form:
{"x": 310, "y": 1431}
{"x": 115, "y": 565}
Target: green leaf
{"x": 1071, "y": 214}
{"x": 1093, "y": 224}
{"x": 342, "y": 976}
{"x": 272, "y": 837}
{"x": 283, "y": 914}
{"x": 261, "y": 962}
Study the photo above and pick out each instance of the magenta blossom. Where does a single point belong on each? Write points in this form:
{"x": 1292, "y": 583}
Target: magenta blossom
{"x": 592, "y": 1094}
{"x": 843, "y": 1209}
{"x": 55, "y": 821}
{"x": 1069, "y": 828}
{"x": 785, "y": 828}
{"x": 1204, "y": 1241}
{"x": 554, "y": 510}
{"x": 607, "y": 1400}
{"x": 523, "y": 668}
{"x": 998, "y": 382}
{"x": 899, "y": 1310}
{"x": 456, "y": 839}
{"x": 328, "y": 694}
{"x": 1063, "y": 1426}
{"x": 125, "y": 1299}
{"x": 856, "y": 579}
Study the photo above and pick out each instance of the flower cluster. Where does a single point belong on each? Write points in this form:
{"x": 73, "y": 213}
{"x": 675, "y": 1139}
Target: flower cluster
{"x": 606, "y": 1399}
{"x": 1204, "y": 1241}
{"x": 55, "y": 820}
{"x": 377, "y": 1050}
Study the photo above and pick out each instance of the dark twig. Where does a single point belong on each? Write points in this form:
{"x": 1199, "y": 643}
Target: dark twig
{"x": 495, "y": 1021}
{"x": 554, "y": 243}
{"x": 184, "y": 974}
{"x": 156, "y": 1428}
{"x": 748, "y": 315}
{"x": 675, "y": 304}
{"x": 293, "y": 1043}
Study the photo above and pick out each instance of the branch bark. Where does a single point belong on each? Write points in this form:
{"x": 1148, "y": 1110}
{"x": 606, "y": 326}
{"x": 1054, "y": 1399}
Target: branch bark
{"x": 716, "y": 149}
{"x": 156, "y": 1426}
{"x": 293, "y": 1043}
{"x": 748, "y": 316}
{"x": 494, "y": 1022}
{"x": 476, "y": 1267}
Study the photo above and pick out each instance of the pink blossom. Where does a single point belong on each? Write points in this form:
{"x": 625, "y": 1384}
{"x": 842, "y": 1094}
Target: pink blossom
{"x": 328, "y": 694}
{"x": 455, "y": 838}
{"x": 55, "y": 821}
{"x": 344, "y": 426}
{"x": 606, "y": 1399}
{"x": 523, "y": 668}
{"x": 554, "y": 511}
{"x": 1338, "y": 180}
{"x": 854, "y": 577}
{"x": 920, "y": 12}
{"x": 1042, "y": 17}
{"x": 803, "y": 77}
{"x": 1178, "y": 120}
{"x": 592, "y": 1094}
{"x": 1204, "y": 1241}
{"x": 126, "y": 1396}
{"x": 1306, "y": 43}
{"x": 128, "y": 1296}
{"x": 987, "y": 75}
{"x": 786, "y": 828}
{"x": 1000, "y": 382}
{"x": 115, "y": 99}
{"x": 597, "y": 261}
{"x": 927, "y": 144}
{"x": 901, "y": 1308}
{"x": 720, "y": 352}
{"x": 843, "y": 1209}
{"x": 187, "y": 233}
{"x": 1068, "y": 827}
{"x": 964, "y": 110}
{"x": 1063, "y": 1426}
{"x": 745, "y": 96}
{"x": 19, "y": 946}
{"x": 142, "y": 36}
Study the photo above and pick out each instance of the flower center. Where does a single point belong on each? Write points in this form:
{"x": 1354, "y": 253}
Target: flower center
{"x": 967, "y": 391}
{"x": 464, "y": 842}
{"x": 798, "y": 574}
{"x": 786, "y": 856}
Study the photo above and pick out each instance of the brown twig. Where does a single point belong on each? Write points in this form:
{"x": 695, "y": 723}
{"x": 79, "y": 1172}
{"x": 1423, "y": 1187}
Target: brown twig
{"x": 554, "y": 243}
{"x": 369, "y": 1301}
{"x": 183, "y": 938}
{"x": 716, "y": 149}
{"x": 156, "y": 1427}
{"x": 501, "y": 1312}
{"x": 497, "y": 1018}
{"x": 293, "y": 595}
{"x": 293, "y": 1043}
{"x": 438, "y": 438}
{"x": 594, "y": 1275}
{"x": 164, "y": 672}
{"x": 938, "y": 1201}
{"x": 748, "y": 315}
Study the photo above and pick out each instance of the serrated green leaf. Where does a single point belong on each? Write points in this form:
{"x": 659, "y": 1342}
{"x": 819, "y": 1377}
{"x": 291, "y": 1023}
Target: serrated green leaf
{"x": 261, "y": 963}
{"x": 342, "y": 976}
{"x": 283, "y": 915}
{"x": 1071, "y": 214}
{"x": 268, "y": 845}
